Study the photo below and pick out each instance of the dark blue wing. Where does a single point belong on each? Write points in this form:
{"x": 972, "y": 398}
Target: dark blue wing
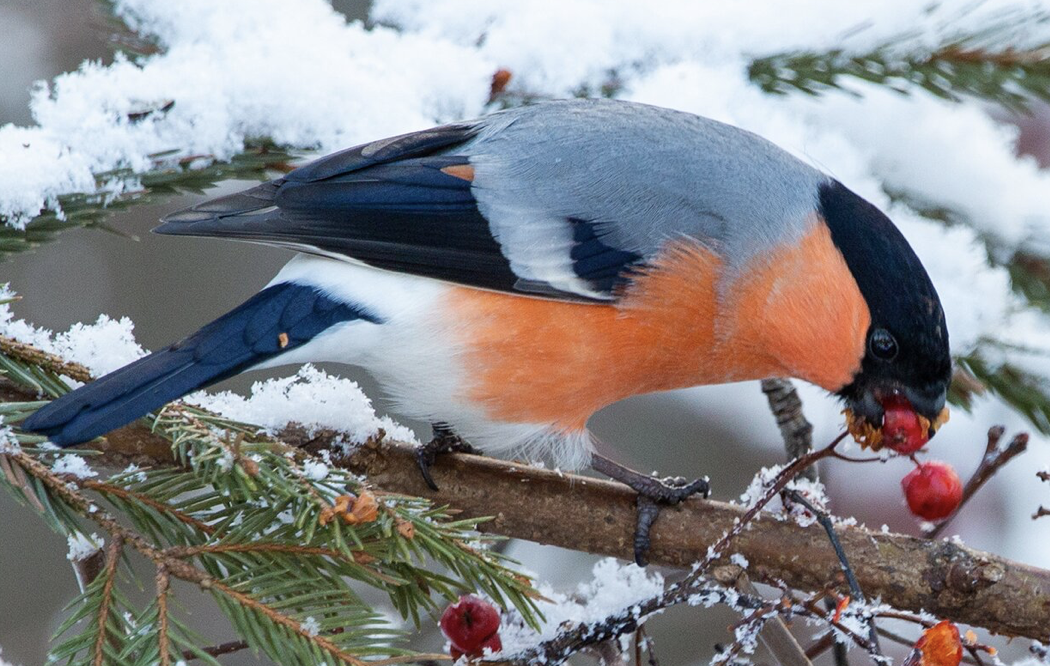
{"x": 398, "y": 204}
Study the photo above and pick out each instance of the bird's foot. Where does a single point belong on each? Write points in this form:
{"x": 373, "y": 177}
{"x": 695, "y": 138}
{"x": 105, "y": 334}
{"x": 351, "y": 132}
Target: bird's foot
{"x": 668, "y": 491}
{"x": 444, "y": 441}
{"x": 653, "y": 494}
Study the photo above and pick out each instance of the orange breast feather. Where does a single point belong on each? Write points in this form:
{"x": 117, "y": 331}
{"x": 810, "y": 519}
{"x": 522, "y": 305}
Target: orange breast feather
{"x": 797, "y": 313}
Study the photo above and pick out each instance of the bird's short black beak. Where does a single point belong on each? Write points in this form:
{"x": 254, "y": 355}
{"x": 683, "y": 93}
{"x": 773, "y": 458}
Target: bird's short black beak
{"x": 927, "y": 401}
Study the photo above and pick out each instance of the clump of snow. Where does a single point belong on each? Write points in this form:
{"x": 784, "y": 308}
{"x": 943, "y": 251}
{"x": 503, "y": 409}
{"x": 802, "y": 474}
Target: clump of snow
{"x": 615, "y": 587}
{"x": 74, "y": 465}
{"x": 315, "y": 470}
{"x": 739, "y": 560}
{"x": 101, "y": 347}
{"x": 311, "y": 398}
{"x": 234, "y": 70}
{"x": 82, "y": 546}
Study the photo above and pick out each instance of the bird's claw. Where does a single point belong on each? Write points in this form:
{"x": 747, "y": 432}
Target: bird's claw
{"x": 444, "y": 441}
{"x": 652, "y": 497}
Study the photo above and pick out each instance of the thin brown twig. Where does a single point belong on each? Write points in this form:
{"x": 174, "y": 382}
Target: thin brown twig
{"x": 112, "y": 560}
{"x": 126, "y": 494}
{"x": 825, "y": 521}
{"x": 648, "y": 642}
{"x": 783, "y": 478}
{"x": 1008, "y": 57}
{"x": 228, "y": 647}
{"x": 797, "y": 433}
{"x": 163, "y": 583}
{"x": 993, "y": 460}
{"x": 51, "y": 362}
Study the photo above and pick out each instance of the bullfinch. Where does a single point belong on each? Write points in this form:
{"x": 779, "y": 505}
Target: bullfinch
{"x": 507, "y": 277}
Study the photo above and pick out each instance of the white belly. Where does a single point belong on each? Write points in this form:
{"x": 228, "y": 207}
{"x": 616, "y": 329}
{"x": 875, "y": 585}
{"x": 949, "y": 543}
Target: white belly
{"x": 415, "y": 355}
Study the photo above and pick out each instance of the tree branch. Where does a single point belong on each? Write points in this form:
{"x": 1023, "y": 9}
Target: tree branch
{"x": 596, "y": 516}
{"x": 941, "y": 577}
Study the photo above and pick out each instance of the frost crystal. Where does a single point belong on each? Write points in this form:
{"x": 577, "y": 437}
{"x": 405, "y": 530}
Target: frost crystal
{"x": 759, "y": 484}
{"x": 814, "y": 493}
{"x": 133, "y": 473}
{"x": 311, "y": 626}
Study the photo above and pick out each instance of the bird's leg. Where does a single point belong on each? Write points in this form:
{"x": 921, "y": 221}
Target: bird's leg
{"x": 653, "y": 494}
{"x": 444, "y": 441}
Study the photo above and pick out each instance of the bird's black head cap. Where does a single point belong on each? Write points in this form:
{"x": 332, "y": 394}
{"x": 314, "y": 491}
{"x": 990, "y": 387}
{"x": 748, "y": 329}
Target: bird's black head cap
{"x": 907, "y": 343}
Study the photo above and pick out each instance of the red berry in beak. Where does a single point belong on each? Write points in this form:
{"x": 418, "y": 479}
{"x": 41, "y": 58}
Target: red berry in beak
{"x": 472, "y": 625}
{"x": 933, "y": 490}
{"x": 902, "y": 429}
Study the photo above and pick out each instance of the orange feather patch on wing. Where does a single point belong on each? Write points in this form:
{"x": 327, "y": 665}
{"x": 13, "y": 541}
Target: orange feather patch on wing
{"x": 531, "y": 360}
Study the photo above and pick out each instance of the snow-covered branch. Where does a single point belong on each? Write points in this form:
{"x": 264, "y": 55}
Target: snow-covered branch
{"x": 551, "y": 507}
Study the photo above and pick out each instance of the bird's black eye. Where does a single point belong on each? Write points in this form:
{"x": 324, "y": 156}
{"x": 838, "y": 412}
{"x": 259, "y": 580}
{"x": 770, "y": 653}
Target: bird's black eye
{"x": 882, "y": 344}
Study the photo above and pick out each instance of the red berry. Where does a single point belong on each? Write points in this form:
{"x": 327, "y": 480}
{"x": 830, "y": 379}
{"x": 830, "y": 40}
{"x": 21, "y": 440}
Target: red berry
{"x": 901, "y": 429}
{"x": 939, "y": 645}
{"x": 933, "y": 490}
{"x": 470, "y": 623}
{"x": 493, "y": 643}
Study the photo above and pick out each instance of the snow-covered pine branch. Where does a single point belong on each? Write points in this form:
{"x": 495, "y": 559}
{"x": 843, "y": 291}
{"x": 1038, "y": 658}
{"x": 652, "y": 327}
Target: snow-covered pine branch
{"x": 223, "y": 82}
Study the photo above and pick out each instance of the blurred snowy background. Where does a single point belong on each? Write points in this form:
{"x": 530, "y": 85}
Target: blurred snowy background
{"x": 298, "y": 73}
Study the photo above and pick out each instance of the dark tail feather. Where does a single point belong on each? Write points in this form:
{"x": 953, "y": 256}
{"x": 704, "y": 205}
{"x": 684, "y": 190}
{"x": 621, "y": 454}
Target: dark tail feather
{"x": 277, "y": 319}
